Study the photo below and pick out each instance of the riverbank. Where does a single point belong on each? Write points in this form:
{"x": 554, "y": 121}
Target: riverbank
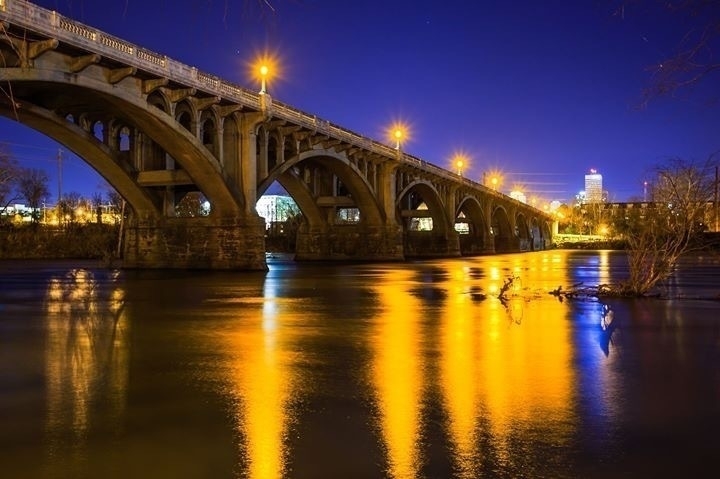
{"x": 707, "y": 241}
{"x": 91, "y": 241}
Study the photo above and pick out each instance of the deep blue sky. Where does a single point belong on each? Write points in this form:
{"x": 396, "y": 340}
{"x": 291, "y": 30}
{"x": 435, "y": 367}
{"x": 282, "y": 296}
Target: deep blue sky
{"x": 542, "y": 90}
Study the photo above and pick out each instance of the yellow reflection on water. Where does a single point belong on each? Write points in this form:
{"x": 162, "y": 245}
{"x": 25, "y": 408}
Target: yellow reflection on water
{"x": 86, "y": 356}
{"x": 526, "y": 377}
{"x": 397, "y": 372}
{"x": 459, "y": 370}
{"x": 263, "y": 383}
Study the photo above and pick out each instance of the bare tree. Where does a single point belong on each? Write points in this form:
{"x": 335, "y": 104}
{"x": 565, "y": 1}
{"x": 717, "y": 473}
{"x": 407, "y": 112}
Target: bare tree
{"x": 695, "y": 56}
{"x": 33, "y": 187}
{"x": 663, "y": 231}
{"x": 9, "y": 174}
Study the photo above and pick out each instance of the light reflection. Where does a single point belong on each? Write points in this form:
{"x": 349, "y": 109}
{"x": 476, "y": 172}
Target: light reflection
{"x": 86, "y": 363}
{"x": 397, "y": 373}
{"x": 263, "y": 383}
{"x": 525, "y": 375}
{"x": 459, "y": 370}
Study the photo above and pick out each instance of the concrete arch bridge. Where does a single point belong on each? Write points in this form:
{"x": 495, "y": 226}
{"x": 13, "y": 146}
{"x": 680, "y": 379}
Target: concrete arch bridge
{"x": 157, "y": 130}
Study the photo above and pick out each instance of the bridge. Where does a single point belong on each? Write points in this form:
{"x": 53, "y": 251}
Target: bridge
{"x": 158, "y": 130}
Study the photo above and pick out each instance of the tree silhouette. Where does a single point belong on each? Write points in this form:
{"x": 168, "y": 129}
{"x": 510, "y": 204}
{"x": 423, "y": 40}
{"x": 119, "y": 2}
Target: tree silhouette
{"x": 33, "y": 187}
{"x": 9, "y": 174}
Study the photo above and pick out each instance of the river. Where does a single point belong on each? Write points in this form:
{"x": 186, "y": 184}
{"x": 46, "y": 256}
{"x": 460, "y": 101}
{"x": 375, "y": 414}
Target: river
{"x": 397, "y": 370}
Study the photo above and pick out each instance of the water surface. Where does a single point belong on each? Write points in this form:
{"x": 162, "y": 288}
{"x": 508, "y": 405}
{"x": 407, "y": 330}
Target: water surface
{"x": 403, "y": 370}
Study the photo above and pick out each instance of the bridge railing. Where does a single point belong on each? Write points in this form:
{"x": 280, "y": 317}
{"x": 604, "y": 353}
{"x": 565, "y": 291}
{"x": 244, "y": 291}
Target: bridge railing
{"x": 54, "y": 25}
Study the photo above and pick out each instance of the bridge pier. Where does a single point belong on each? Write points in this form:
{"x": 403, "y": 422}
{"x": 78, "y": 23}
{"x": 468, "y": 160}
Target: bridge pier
{"x": 474, "y": 245}
{"x": 510, "y": 244}
{"x": 230, "y": 243}
{"x": 349, "y": 243}
{"x": 427, "y": 244}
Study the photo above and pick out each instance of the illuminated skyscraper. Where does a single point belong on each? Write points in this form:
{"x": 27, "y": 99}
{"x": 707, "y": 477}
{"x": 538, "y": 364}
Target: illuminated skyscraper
{"x": 593, "y": 187}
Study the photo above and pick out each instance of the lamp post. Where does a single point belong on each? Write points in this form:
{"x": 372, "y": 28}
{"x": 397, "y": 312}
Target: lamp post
{"x": 263, "y": 75}
{"x": 397, "y": 134}
{"x": 459, "y": 164}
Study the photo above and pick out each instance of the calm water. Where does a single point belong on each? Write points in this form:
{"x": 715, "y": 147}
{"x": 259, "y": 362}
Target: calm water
{"x": 357, "y": 371}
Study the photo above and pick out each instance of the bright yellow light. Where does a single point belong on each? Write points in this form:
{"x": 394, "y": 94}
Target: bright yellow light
{"x": 264, "y": 68}
{"x": 493, "y": 178}
{"x": 460, "y": 161}
{"x": 399, "y": 133}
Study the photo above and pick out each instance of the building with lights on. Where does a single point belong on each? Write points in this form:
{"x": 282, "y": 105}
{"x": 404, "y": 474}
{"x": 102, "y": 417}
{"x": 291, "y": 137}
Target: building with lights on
{"x": 593, "y": 187}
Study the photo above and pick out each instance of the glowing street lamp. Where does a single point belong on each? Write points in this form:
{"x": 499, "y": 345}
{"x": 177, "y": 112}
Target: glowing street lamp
{"x": 397, "y": 134}
{"x": 264, "y": 70}
{"x": 492, "y": 179}
{"x": 460, "y": 162}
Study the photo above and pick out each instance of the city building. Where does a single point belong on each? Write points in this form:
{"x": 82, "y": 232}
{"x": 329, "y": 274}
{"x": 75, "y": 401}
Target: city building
{"x": 275, "y": 209}
{"x": 593, "y": 187}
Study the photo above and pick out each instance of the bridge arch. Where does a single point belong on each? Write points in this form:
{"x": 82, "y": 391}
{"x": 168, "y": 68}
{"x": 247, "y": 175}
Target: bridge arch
{"x": 183, "y": 146}
{"x": 522, "y": 232}
{"x": 185, "y": 115}
{"x": 160, "y": 101}
{"x": 476, "y": 240}
{"x": 503, "y": 235}
{"x": 358, "y": 189}
{"x": 209, "y": 132}
{"x": 415, "y": 194}
{"x": 439, "y": 239}
{"x": 103, "y": 159}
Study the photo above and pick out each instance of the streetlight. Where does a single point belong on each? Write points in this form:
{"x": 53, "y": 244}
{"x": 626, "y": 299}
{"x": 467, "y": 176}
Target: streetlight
{"x": 460, "y": 162}
{"x": 263, "y": 75}
{"x": 397, "y": 134}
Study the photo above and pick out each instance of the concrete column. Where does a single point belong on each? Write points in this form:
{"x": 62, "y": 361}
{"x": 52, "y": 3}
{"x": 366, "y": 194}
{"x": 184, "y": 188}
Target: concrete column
{"x": 249, "y": 159}
{"x": 220, "y": 144}
{"x": 451, "y": 205}
{"x": 387, "y": 193}
{"x": 262, "y": 155}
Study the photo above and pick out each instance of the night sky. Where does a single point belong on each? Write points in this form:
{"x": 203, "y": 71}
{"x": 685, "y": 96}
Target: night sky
{"x": 540, "y": 90}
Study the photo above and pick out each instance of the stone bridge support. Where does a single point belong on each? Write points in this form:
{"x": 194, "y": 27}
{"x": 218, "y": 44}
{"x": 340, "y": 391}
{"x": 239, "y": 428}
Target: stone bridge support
{"x": 377, "y": 237}
{"x": 195, "y": 243}
{"x": 349, "y": 243}
{"x": 229, "y": 238}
